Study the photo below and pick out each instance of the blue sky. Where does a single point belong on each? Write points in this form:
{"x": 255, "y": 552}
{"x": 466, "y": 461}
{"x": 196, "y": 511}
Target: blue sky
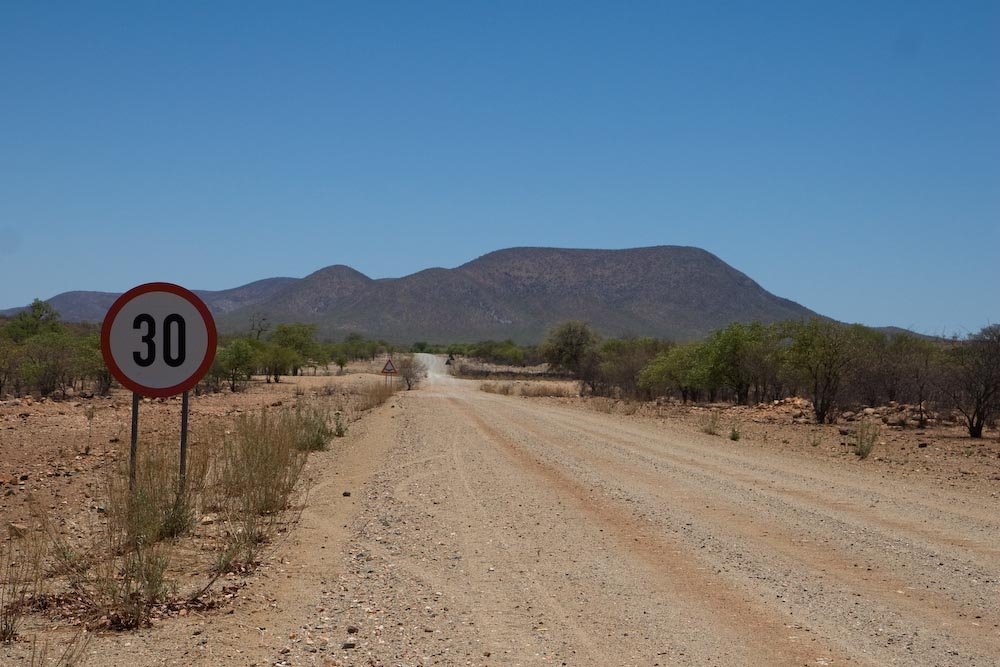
{"x": 843, "y": 154}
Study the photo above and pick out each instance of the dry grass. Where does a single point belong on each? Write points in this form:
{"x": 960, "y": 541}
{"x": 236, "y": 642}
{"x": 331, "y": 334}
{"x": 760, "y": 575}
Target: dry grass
{"x": 259, "y": 466}
{"x": 339, "y": 425}
{"x": 72, "y": 655}
{"x": 248, "y": 476}
{"x": 546, "y": 389}
{"x": 528, "y": 389}
{"x": 21, "y": 557}
{"x": 242, "y": 489}
{"x": 710, "y": 422}
{"x": 312, "y": 424}
{"x": 503, "y": 388}
{"x": 374, "y": 395}
{"x": 122, "y": 571}
{"x": 865, "y": 438}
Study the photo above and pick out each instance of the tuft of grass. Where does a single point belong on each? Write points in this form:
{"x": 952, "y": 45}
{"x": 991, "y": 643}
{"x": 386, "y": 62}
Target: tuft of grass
{"x": 630, "y": 407}
{"x": 734, "y": 433}
{"x": 545, "y": 389}
{"x": 339, "y": 425}
{"x": 311, "y": 424}
{"x": 374, "y": 395}
{"x": 158, "y": 507}
{"x": 865, "y": 437}
{"x": 503, "y": 388}
{"x": 89, "y": 413}
{"x": 124, "y": 572}
{"x": 72, "y": 655}
{"x": 21, "y": 577}
{"x": 711, "y": 422}
{"x": 249, "y": 476}
{"x": 261, "y": 461}
{"x": 259, "y": 468}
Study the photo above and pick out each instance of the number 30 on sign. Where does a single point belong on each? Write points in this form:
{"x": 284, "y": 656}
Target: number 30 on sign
{"x": 158, "y": 339}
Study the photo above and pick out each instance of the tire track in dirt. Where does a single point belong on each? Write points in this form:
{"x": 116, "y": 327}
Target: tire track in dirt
{"x": 590, "y": 650}
{"x": 843, "y": 508}
{"x": 795, "y": 546}
{"x": 475, "y": 561}
{"x": 956, "y": 504}
{"x": 764, "y": 635}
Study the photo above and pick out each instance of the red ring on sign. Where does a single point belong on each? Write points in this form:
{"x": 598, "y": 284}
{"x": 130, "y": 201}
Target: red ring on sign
{"x": 159, "y": 392}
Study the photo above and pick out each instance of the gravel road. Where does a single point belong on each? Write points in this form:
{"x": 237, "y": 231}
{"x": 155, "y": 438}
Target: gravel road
{"x": 498, "y": 530}
{"x": 513, "y": 531}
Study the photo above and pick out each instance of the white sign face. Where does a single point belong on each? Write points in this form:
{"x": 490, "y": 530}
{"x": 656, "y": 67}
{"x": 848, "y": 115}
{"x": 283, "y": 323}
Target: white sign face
{"x": 158, "y": 339}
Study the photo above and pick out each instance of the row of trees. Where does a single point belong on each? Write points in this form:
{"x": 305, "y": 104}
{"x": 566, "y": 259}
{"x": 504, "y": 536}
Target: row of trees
{"x": 286, "y": 350}
{"x": 41, "y": 355}
{"x": 834, "y": 365}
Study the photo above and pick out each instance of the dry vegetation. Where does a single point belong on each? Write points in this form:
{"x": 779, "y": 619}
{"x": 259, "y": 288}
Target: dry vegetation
{"x": 531, "y": 389}
{"x": 166, "y": 546}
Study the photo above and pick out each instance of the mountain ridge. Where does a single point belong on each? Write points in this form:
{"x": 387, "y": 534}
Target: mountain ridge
{"x": 678, "y": 292}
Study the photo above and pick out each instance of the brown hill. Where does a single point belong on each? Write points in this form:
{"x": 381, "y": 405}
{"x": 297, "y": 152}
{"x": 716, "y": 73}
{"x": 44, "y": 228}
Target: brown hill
{"x": 675, "y": 292}
{"x": 79, "y": 306}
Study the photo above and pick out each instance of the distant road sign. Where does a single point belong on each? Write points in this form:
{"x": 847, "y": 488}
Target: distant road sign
{"x": 389, "y": 368}
{"x": 158, "y": 339}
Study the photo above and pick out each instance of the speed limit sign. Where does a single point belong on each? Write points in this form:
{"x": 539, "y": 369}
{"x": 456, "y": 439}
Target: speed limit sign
{"x": 158, "y": 339}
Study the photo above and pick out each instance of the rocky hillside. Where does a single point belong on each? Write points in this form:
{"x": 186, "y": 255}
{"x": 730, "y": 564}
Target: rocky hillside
{"x": 676, "y": 292}
{"x": 91, "y": 306}
{"x": 670, "y": 291}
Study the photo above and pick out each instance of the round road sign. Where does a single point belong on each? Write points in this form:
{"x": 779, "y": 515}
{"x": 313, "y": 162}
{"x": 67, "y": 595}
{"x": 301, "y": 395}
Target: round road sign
{"x": 158, "y": 339}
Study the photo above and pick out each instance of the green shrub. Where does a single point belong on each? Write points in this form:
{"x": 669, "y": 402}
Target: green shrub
{"x": 312, "y": 428}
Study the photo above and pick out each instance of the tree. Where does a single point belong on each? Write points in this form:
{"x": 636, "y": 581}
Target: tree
{"x": 920, "y": 363}
{"x": 48, "y": 361}
{"x": 299, "y": 337}
{"x": 677, "y": 369}
{"x": 277, "y": 360}
{"x": 259, "y": 325}
{"x": 765, "y": 360}
{"x": 971, "y": 378}
{"x": 569, "y": 345}
{"x": 623, "y": 359}
{"x": 89, "y": 363}
{"x": 411, "y": 370}
{"x": 10, "y": 357}
{"x": 873, "y": 375}
{"x": 238, "y": 362}
{"x": 213, "y": 379}
{"x": 728, "y": 353}
{"x": 822, "y": 351}
{"x": 38, "y": 318}
{"x": 341, "y": 360}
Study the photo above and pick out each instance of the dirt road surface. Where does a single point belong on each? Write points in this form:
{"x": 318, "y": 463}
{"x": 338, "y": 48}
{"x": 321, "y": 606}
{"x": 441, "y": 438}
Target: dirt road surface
{"x": 498, "y": 530}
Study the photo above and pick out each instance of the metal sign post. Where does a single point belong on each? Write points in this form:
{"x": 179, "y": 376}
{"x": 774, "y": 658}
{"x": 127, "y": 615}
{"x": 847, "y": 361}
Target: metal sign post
{"x": 133, "y": 442}
{"x": 184, "y": 440}
{"x": 158, "y": 340}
